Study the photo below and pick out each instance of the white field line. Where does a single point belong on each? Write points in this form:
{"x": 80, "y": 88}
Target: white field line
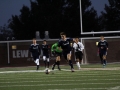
{"x": 75, "y": 84}
{"x": 58, "y": 74}
{"x": 114, "y": 88}
{"x": 80, "y": 89}
{"x": 52, "y": 77}
{"x": 62, "y": 70}
{"x": 62, "y": 81}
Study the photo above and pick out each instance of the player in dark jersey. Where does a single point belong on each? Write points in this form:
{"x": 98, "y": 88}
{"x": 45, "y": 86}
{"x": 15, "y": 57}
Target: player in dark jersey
{"x": 103, "y": 47}
{"x": 45, "y": 50}
{"x": 35, "y": 50}
{"x": 64, "y": 43}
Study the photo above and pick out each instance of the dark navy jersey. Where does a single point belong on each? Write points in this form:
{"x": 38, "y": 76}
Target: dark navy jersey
{"x": 103, "y": 45}
{"x": 45, "y": 48}
{"x": 35, "y": 49}
{"x": 65, "y": 45}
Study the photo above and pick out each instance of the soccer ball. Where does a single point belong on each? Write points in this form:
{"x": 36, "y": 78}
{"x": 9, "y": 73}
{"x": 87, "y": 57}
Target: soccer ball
{"x": 47, "y": 71}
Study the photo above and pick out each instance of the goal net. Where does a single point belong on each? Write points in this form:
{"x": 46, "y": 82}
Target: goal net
{"x": 90, "y": 51}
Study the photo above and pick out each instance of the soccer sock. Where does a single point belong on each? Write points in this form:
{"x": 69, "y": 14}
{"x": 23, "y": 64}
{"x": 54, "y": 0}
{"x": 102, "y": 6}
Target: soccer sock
{"x": 70, "y": 63}
{"x": 58, "y": 63}
{"x": 48, "y": 64}
{"x": 45, "y": 63}
{"x": 37, "y": 67}
{"x": 104, "y": 61}
{"x": 54, "y": 64}
{"x": 78, "y": 64}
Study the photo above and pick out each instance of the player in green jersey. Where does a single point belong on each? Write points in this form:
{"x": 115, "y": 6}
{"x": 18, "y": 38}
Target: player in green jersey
{"x": 58, "y": 53}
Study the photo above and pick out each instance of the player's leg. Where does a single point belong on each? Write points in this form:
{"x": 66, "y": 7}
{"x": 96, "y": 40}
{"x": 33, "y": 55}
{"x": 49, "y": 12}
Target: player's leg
{"x": 44, "y": 59}
{"x": 77, "y": 59}
{"x": 36, "y": 60}
{"x": 58, "y": 61}
{"x": 48, "y": 60}
{"x": 104, "y": 59}
{"x": 101, "y": 57}
{"x": 70, "y": 61}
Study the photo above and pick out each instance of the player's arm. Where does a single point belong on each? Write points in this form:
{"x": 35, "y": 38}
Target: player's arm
{"x": 39, "y": 49}
{"x": 30, "y": 48}
{"x": 48, "y": 48}
{"x": 53, "y": 48}
{"x": 59, "y": 45}
{"x": 99, "y": 46}
{"x": 82, "y": 46}
{"x": 42, "y": 47}
{"x": 107, "y": 45}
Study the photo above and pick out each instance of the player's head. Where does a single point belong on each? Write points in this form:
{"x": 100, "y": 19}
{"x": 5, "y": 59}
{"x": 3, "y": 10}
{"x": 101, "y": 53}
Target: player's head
{"x": 63, "y": 35}
{"x": 76, "y": 39}
{"x": 102, "y": 37}
{"x": 34, "y": 40}
{"x": 44, "y": 42}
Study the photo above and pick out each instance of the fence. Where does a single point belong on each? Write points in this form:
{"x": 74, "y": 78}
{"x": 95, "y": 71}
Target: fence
{"x": 16, "y": 53}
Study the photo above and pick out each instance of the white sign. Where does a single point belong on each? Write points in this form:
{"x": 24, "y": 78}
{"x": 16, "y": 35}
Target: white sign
{"x": 20, "y": 53}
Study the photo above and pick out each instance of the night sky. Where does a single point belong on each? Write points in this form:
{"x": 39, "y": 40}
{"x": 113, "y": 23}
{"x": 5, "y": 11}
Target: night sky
{"x": 12, "y": 7}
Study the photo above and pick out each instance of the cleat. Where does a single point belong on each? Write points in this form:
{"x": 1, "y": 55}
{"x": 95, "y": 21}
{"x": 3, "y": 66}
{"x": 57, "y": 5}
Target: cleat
{"x": 59, "y": 69}
{"x": 46, "y": 69}
{"x": 52, "y": 67}
{"x": 104, "y": 65}
{"x": 66, "y": 61}
{"x": 79, "y": 68}
{"x": 72, "y": 70}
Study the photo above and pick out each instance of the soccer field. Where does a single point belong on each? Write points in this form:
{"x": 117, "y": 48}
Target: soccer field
{"x": 90, "y": 77}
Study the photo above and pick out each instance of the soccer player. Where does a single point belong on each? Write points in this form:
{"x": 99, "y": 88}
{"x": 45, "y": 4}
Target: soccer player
{"x": 35, "y": 50}
{"x": 45, "y": 49}
{"x": 58, "y": 53}
{"x": 78, "y": 47}
{"x": 103, "y": 47}
{"x": 64, "y": 43}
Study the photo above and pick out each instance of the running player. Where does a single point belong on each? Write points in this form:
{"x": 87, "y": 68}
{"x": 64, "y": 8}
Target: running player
{"x": 58, "y": 54}
{"x": 78, "y": 48}
{"x": 64, "y": 43}
{"x": 35, "y": 50}
{"x": 45, "y": 50}
{"x": 103, "y": 47}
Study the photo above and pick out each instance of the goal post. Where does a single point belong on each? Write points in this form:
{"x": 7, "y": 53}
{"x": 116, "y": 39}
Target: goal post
{"x": 88, "y": 33}
{"x": 90, "y": 51}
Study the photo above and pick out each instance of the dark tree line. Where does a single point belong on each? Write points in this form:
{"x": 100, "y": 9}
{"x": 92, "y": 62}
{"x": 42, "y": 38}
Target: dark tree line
{"x": 63, "y": 15}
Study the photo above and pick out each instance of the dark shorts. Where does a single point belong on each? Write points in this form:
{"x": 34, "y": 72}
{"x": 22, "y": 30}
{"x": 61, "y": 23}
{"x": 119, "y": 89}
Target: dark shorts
{"x": 58, "y": 54}
{"x": 104, "y": 52}
{"x": 65, "y": 53}
{"x": 79, "y": 55}
{"x": 35, "y": 57}
{"x": 46, "y": 55}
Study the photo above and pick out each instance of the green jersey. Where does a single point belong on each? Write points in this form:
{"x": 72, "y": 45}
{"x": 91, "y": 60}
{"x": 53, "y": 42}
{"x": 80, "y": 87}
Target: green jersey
{"x": 55, "y": 48}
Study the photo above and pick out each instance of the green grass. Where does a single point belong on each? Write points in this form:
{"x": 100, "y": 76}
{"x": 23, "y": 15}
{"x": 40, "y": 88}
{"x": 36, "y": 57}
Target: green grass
{"x": 83, "y": 79}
